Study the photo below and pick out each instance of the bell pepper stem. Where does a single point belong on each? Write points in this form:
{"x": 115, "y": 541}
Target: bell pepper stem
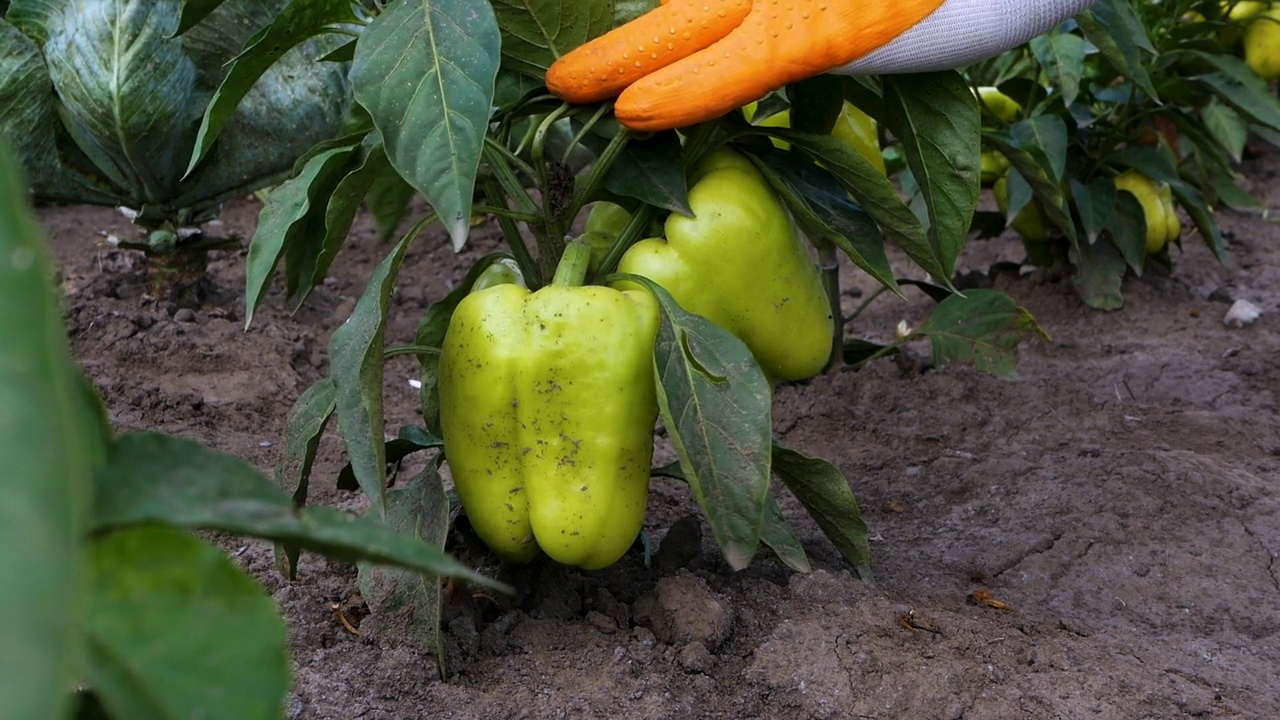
{"x": 572, "y": 270}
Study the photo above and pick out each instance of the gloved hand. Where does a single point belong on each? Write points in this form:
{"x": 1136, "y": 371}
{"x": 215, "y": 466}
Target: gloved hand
{"x": 694, "y": 60}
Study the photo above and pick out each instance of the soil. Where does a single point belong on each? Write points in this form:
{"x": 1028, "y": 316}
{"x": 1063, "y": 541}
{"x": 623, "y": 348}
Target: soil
{"x": 1121, "y": 497}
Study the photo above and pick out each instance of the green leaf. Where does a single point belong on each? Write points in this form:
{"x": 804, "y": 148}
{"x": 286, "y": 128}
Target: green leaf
{"x": 355, "y": 352}
{"x": 1062, "y": 56}
{"x": 292, "y": 471}
{"x": 47, "y": 450}
{"x": 982, "y": 328}
{"x": 535, "y": 33}
{"x": 1110, "y": 27}
{"x": 937, "y": 121}
{"x": 777, "y": 535}
{"x": 871, "y": 190}
{"x": 651, "y": 171}
{"x": 388, "y": 200}
{"x": 129, "y": 94}
{"x": 298, "y": 21}
{"x": 420, "y": 511}
{"x": 716, "y": 406}
{"x": 1095, "y": 204}
{"x": 1127, "y": 229}
{"x": 824, "y": 210}
{"x": 816, "y": 103}
{"x": 1246, "y": 96}
{"x": 1034, "y": 164}
{"x": 425, "y": 71}
{"x": 1099, "y": 269}
{"x": 1226, "y": 126}
{"x": 825, "y": 493}
{"x": 291, "y": 224}
{"x": 344, "y": 202}
{"x": 193, "y": 11}
{"x": 153, "y": 478}
{"x": 173, "y": 624}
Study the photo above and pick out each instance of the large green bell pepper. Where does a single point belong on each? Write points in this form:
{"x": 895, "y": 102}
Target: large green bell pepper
{"x": 741, "y": 264}
{"x": 547, "y": 406}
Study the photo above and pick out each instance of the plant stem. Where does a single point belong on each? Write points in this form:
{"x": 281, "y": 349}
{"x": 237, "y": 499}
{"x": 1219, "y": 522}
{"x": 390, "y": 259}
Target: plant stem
{"x": 572, "y": 270}
{"x": 829, "y": 266}
{"x": 629, "y": 235}
{"x": 515, "y": 241}
{"x": 598, "y": 170}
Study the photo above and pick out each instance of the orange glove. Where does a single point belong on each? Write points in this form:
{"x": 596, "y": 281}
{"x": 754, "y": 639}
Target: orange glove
{"x": 693, "y": 60}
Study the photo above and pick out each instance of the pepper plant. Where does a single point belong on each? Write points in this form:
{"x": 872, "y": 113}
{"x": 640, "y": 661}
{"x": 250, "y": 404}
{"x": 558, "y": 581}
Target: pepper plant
{"x": 451, "y": 104}
{"x": 1107, "y": 133}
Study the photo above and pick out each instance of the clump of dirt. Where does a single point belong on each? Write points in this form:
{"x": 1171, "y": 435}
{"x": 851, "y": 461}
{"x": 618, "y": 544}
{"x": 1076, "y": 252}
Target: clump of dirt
{"x": 1095, "y": 538}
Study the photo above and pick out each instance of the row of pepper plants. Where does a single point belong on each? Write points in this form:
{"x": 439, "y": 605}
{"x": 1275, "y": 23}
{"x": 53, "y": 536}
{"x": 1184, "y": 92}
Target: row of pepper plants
{"x": 603, "y": 290}
{"x": 1126, "y": 134}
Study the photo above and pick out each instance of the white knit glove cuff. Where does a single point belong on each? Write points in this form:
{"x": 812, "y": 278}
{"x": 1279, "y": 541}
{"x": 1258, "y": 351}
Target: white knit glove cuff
{"x": 962, "y": 32}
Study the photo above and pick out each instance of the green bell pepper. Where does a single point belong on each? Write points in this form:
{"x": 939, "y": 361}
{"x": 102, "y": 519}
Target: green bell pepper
{"x": 741, "y": 264}
{"x": 547, "y": 405}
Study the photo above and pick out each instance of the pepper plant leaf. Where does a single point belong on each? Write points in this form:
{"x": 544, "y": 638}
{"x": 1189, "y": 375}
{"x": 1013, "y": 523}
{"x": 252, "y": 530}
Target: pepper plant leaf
{"x": 1114, "y": 29}
{"x": 982, "y": 328}
{"x": 777, "y": 535}
{"x": 151, "y": 478}
{"x": 293, "y": 216}
{"x": 193, "y": 11}
{"x": 292, "y": 473}
{"x": 1062, "y": 54}
{"x": 355, "y": 353}
{"x": 716, "y": 406}
{"x": 535, "y": 33}
{"x": 419, "y": 510}
{"x": 825, "y": 493}
{"x": 937, "y": 120}
{"x": 49, "y": 443}
{"x": 425, "y": 71}
{"x": 873, "y": 191}
{"x": 150, "y": 585}
{"x": 1099, "y": 270}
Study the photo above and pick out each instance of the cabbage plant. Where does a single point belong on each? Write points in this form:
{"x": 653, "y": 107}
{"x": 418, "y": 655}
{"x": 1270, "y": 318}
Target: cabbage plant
{"x": 108, "y": 104}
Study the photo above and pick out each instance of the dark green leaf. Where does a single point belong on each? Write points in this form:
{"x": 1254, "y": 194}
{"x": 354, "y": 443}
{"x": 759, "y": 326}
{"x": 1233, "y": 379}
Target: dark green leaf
{"x": 1034, "y": 166}
{"x": 825, "y": 493}
{"x": 816, "y": 103}
{"x": 292, "y": 472}
{"x": 27, "y": 115}
{"x": 355, "y": 352}
{"x": 856, "y": 351}
{"x": 286, "y": 224}
{"x": 716, "y": 405}
{"x": 777, "y": 535}
{"x": 1235, "y": 197}
{"x": 410, "y": 600}
{"x": 651, "y": 171}
{"x": 1108, "y": 26}
{"x": 935, "y": 118}
{"x": 298, "y": 21}
{"x": 47, "y": 451}
{"x": 193, "y": 11}
{"x": 982, "y": 328}
{"x": 624, "y": 11}
{"x": 173, "y": 623}
{"x": 1099, "y": 269}
{"x": 388, "y": 201}
{"x": 425, "y": 70}
{"x": 873, "y": 191}
{"x": 396, "y": 451}
{"x": 1045, "y": 136}
{"x": 1249, "y": 97}
{"x": 152, "y": 478}
{"x": 824, "y": 210}
{"x": 535, "y": 33}
{"x": 1062, "y": 56}
{"x": 1127, "y": 229}
{"x": 344, "y": 201}
{"x": 1095, "y": 204}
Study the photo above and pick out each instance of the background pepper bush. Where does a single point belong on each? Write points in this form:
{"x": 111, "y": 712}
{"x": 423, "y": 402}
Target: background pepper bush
{"x": 1168, "y": 98}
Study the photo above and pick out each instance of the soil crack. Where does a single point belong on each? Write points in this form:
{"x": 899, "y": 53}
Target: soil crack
{"x": 1271, "y": 556}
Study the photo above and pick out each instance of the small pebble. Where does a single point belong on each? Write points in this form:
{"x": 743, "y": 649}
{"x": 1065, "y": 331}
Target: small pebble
{"x": 185, "y": 315}
{"x": 1242, "y": 313}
